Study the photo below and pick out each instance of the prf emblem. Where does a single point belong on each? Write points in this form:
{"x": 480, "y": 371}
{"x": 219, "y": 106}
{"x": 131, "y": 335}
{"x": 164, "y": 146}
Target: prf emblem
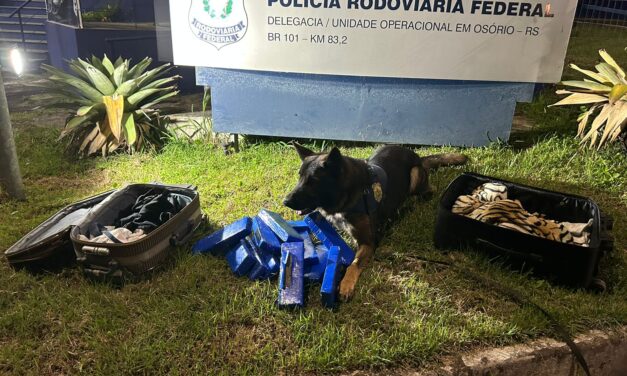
{"x": 218, "y": 22}
{"x": 377, "y": 191}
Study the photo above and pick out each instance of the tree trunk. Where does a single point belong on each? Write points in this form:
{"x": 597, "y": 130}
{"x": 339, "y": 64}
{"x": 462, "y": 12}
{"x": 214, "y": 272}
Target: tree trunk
{"x": 10, "y": 177}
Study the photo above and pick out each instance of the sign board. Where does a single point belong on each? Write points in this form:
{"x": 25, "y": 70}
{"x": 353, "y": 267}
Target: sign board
{"x": 491, "y": 40}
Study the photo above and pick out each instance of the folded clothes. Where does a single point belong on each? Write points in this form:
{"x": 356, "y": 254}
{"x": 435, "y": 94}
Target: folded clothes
{"x": 489, "y": 203}
{"x": 115, "y": 235}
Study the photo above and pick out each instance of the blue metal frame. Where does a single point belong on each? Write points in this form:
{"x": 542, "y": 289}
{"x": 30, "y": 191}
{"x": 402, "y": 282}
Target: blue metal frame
{"x": 391, "y": 110}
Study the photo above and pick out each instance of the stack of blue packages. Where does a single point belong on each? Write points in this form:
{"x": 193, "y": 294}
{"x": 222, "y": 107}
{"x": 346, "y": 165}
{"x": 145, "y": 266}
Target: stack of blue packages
{"x": 267, "y": 245}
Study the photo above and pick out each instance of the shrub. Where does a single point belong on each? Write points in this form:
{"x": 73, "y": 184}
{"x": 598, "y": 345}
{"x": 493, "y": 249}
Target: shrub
{"x": 603, "y": 95}
{"x": 114, "y": 102}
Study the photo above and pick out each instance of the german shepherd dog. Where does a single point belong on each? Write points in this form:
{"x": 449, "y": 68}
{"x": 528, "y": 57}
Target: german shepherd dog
{"x": 361, "y": 196}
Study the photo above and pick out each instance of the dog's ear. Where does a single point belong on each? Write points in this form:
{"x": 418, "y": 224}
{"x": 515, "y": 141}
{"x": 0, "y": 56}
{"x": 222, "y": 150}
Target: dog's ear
{"x": 302, "y": 151}
{"x": 334, "y": 158}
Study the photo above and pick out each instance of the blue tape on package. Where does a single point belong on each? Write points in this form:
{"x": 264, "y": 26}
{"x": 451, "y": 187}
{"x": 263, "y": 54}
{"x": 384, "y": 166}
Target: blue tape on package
{"x": 279, "y": 226}
{"x": 272, "y": 263}
{"x": 241, "y": 259}
{"x": 325, "y": 232}
{"x": 292, "y": 276}
{"x": 331, "y": 279}
{"x": 265, "y": 238}
{"x": 299, "y": 225}
{"x": 260, "y": 269}
{"x": 310, "y": 251}
{"x": 315, "y": 272}
{"x": 224, "y": 239}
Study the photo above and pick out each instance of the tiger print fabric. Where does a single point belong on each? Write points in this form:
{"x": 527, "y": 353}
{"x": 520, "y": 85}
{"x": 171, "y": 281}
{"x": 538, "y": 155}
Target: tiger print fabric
{"x": 489, "y": 203}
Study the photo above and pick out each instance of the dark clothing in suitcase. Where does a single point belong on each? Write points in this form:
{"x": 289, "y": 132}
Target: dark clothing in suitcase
{"x": 170, "y": 213}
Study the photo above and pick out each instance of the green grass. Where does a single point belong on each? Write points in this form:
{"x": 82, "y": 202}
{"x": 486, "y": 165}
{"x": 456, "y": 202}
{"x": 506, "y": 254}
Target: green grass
{"x": 195, "y": 317}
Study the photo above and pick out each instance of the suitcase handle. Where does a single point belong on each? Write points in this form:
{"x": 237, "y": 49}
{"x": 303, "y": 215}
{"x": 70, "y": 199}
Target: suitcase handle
{"x": 99, "y": 251}
{"x": 182, "y": 237}
{"x": 534, "y": 257}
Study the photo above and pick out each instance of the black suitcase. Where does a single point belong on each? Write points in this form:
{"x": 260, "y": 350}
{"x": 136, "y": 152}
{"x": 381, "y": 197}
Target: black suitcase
{"x": 120, "y": 262}
{"x": 49, "y": 246}
{"x": 569, "y": 264}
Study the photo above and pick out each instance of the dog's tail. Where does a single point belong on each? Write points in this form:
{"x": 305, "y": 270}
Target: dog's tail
{"x": 442, "y": 160}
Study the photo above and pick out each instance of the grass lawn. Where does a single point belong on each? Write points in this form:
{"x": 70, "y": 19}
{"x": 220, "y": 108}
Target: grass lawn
{"x": 195, "y": 317}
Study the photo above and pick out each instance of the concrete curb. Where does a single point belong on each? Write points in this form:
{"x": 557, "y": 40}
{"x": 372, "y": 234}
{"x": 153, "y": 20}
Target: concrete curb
{"x": 605, "y": 352}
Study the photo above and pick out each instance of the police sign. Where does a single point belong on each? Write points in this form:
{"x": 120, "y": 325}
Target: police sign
{"x": 523, "y": 41}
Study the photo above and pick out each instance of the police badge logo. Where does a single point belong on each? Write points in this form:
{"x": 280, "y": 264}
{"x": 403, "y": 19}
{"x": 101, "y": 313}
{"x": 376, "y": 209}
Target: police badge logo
{"x": 218, "y": 22}
{"x": 377, "y": 191}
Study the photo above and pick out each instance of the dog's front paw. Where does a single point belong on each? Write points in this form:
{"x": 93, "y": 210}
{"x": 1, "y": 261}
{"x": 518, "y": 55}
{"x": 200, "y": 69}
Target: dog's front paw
{"x": 347, "y": 286}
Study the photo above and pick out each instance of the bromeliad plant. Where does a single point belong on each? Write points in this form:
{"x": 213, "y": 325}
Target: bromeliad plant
{"x": 116, "y": 103}
{"x": 603, "y": 95}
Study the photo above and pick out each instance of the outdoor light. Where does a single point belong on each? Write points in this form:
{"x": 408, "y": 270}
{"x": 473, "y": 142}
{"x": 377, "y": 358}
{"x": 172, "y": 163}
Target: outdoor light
{"x": 17, "y": 61}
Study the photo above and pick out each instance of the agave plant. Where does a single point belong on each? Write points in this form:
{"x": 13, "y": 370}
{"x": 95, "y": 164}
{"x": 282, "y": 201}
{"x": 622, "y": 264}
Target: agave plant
{"x": 604, "y": 93}
{"x": 114, "y": 102}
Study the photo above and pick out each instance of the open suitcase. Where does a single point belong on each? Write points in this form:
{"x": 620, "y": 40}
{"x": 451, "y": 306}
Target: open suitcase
{"x": 57, "y": 241}
{"x": 569, "y": 264}
{"x": 48, "y": 246}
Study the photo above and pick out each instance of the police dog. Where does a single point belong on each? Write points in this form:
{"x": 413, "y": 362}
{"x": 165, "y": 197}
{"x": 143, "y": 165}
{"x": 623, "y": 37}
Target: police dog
{"x": 361, "y": 196}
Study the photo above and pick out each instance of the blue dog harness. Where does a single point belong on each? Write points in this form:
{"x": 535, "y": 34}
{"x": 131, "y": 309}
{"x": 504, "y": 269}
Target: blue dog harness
{"x": 375, "y": 192}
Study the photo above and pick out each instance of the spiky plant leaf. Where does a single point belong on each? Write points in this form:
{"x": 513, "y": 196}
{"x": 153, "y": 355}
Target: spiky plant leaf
{"x": 610, "y": 60}
{"x": 592, "y": 86}
{"x": 130, "y": 132}
{"x": 606, "y": 70}
{"x": 140, "y": 68}
{"x": 595, "y": 76}
{"x": 63, "y": 78}
{"x": 119, "y": 74}
{"x": 160, "y": 99}
{"x": 87, "y": 109}
{"x": 580, "y": 98}
{"x": 616, "y": 115}
{"x": 115, "y": 112}
{"x": 127, "y": 88}
{"x": 583, "y": 120}
{"x": 108, "y": 65}
{"x": 76, "y": 121}
{"x": 136, "y": 98}
{"x": 618, "y": 92}
{"x": 596, "y": 125}
{"x": 119, "y": 61}
{"x": 99, "y": 79}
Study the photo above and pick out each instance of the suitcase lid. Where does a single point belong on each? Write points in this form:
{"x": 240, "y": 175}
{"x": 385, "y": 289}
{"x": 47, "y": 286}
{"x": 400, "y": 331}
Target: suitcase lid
{"x": 53, "y": 234}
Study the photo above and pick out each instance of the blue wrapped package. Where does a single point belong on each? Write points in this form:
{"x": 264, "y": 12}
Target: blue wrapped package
{"x": 310, "y": 251}
{"x": 331, "y": 279}
{"x": 315, "y": 272}
{"x": 279, "y": 226}
{"x": 224, "y": 239}
{"x": 260, "y": 268}
{"x": 291, "y": 276}
{"x": 272, "y": 263}
{"x": 241, "y": 259}
{"x": 299, "y": 225}
{"x": 265, "y": 238}
{"x": 325, "y": 232}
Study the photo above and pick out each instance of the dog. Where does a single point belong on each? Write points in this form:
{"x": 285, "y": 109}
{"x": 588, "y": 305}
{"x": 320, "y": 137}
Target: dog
{"x": 362, "y": 196}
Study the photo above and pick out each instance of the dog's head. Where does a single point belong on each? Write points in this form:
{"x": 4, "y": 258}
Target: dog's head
{"x": 318, "y": 183}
